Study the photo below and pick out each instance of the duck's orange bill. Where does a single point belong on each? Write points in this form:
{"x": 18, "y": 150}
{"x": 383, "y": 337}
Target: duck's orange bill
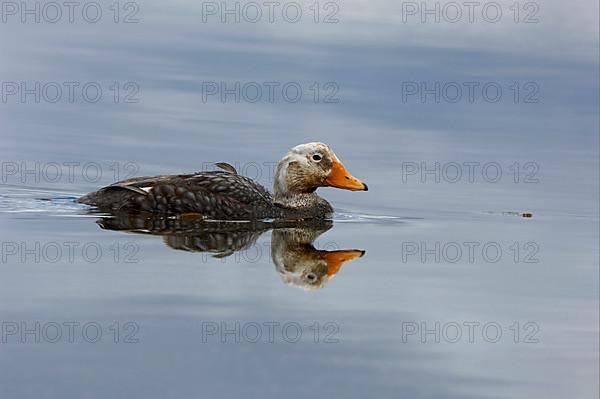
{"x": 336, "y": 259}
{"x": 339, "y": 177}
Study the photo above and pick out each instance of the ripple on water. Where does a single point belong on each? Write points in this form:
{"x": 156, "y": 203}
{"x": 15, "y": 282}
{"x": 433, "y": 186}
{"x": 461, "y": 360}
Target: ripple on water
{"x": 26, "y": 201}
{"x": 353, "y": 217}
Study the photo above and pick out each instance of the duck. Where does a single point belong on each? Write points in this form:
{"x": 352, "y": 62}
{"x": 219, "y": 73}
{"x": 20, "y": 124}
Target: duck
{"x": 226, "y": 195}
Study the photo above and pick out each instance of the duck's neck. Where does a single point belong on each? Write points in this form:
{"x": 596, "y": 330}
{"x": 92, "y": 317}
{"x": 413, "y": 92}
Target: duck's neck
{"x": 309, "y": 203}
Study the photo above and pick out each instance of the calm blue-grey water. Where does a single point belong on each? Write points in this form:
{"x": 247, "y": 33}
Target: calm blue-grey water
{"x": 459, "y": 294}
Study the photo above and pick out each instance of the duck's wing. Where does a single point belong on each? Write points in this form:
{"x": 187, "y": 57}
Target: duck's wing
{"x": 214, "y": 194}
{"x": 119, "y": 194}
{"x": 230, "y": 185}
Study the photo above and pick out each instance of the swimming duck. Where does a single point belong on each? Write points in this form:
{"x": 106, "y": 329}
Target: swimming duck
{"x": 226, "y": 195}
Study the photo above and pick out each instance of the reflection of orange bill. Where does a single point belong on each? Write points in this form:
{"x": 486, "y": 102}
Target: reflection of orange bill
{"x": 336, "y": 259}
{"x": 339, "y": 177}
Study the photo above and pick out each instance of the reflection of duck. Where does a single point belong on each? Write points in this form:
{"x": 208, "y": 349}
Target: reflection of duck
{"x": 300, "y": 264}
{"x": 296, "y": 259}
{"x": 225, "y": 195}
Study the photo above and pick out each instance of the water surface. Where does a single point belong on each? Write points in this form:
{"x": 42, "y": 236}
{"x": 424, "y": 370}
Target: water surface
{"x": 409, "y": 225}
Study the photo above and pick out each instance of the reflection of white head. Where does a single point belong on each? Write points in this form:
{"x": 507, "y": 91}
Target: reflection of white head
{"x": 299, "y": 280}
{"x": 296, "y": 260}
{"x": 301, "y": 265}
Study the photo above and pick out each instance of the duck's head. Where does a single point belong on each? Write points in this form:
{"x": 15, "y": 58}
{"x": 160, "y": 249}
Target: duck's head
{"x": 309, "y": 166}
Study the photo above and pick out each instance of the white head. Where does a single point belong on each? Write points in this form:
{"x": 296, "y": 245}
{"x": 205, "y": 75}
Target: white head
{"x": 309, "y": 166}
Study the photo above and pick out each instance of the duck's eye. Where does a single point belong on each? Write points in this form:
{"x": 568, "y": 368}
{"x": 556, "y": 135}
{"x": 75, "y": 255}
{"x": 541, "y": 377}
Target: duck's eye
{"x": 317, "y": 157}
{"x": 311, "y": 277}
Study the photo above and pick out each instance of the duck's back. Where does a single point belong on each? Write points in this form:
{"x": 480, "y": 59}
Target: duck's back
{"x": 214, "y": 195}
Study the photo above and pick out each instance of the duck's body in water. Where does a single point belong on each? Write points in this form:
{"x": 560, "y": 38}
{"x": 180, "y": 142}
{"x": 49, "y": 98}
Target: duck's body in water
{"x": 225, "y": 195}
